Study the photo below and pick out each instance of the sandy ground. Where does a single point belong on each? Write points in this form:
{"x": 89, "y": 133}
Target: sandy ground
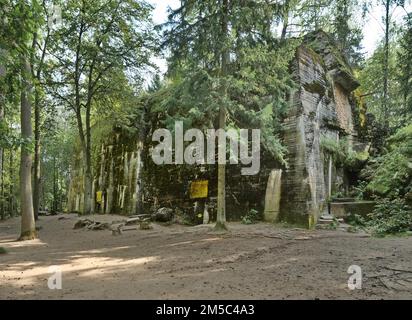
{"x": 250, "y": 262}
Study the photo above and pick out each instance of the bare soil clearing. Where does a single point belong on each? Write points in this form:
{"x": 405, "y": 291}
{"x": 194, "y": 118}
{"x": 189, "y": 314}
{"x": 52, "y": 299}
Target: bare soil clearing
{"x": 250, "y": 262}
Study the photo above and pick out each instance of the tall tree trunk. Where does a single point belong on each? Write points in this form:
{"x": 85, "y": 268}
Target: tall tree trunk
{"x": 88, "y": 180}
{"x": 37, "y": 176}
{"x": 28, "y": 227}
{"x": 37, "y": 133}
{"x": 58, "y": 206}
{"x": 85, "y": 141}
{"x": 84, "y": 134}
{"x": 221, "y": 171}
{"x": 11, "y": 186}
{"x": 139, "y": 166}
{"x": 285, "y": 18}
{"x": 54, "y": 210}
{"x": 386, "y": 62}
{"x": 221, "y": 181}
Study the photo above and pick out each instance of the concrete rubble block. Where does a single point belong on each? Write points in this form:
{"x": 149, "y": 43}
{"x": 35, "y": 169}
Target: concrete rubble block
{"x": 163, "y": 215}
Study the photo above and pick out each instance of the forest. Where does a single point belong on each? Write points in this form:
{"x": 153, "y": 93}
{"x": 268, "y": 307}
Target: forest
{"x": 84, "y": 85}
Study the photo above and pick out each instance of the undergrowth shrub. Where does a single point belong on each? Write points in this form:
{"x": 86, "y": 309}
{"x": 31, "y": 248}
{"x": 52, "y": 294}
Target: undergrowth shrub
{"x": 390, "y": 217}
{"x": 251, "y": 217}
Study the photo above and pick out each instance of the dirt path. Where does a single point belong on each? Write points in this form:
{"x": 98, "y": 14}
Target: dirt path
{"x": 176, "y": 262}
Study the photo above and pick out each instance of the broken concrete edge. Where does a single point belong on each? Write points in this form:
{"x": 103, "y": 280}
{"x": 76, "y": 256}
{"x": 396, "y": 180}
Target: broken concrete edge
{"x": 347, "y": 209}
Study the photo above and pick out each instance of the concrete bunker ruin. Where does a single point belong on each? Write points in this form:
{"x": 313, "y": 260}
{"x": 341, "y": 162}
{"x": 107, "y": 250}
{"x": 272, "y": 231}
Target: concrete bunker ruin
{"x": 321, "y": 107}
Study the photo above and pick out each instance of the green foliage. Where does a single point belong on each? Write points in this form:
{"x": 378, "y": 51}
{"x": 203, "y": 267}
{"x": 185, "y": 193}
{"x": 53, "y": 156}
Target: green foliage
{"x": 334, "y": 225}
{"x": 356, "y": 220}
{"x": 405, "y": 61}
{"x": 359, "y": 191}
{"x": 252, "y": 85}
{"x": 58, "y": 152}
{"x": 9, "y": 137}
{"x": 314, "y": 15}
{"x": 194, "y": 32}
{"x": 251, "y": 217}
{"x": 99, "y": 55}
{"x": 389, "y": 175}
{"x": 258, "y": 92}
{"x": 402, "y": 139}
{"x": 348, "y": 35}
{"x": 3, "y": 250}
{"x": 336, "y": 195}
{"x": 390, "y": 217}
{"x": 340, "y": 18}
{"x": 342, "y": 155}
{"x": 333, "y": 147}
{"x": 255, "y": 97}
{"x": 371, "y": 78}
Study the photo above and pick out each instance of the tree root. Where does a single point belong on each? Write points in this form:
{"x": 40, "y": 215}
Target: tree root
{"x": 220, "y": 226}
{"x": 28, "y": 235}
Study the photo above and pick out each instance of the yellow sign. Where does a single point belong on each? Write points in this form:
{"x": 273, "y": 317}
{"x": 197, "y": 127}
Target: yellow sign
{"x": 99, "y": 196}
{"x": 199, "y": 189}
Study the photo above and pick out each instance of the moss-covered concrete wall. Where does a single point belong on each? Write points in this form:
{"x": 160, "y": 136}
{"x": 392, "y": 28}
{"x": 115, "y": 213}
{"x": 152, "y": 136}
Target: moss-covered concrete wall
{"x": 116, "y": 176}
